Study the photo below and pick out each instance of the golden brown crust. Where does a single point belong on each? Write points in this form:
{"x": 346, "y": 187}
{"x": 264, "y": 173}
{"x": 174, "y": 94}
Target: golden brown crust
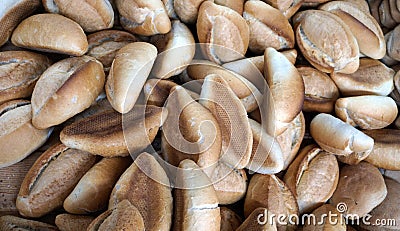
{"x": 19, "y": 73}
{"x": 90, "y": 15}
{"x": 69, "y": 222}
{"x": 156, "y": 91}
{"x": 361, "y": 187}
{"x": 224, "y": 31}
{"x": 65, "y": 89}
{"x": 143, "y": 17}
{"x": 236, "y": 5}
{"x": 51, "y": 33}
{"x": 51, "y": 178}
{"x": 10, "y": 223}
{"x": 268, "y": 27}
{"x": 12, "y": 14}
{"x": 148, "y": 191}
{"x": 117, "y": 135}
{"x": 93, "y": 190}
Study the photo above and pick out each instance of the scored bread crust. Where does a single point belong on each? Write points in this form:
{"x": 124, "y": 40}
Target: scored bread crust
{"x": 9, "y": 222}
{"x": 90, "y": 15}
{"x": 51, "y": 33}
{"x": 15, "y": 124}
{"x": 12, "y": 13}
{"x": 70, "y": 222}
{"x": 146, "y": 185}
{"x": 65, "y": 89}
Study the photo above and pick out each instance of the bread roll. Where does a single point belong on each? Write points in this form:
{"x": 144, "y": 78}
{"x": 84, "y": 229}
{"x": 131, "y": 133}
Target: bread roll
{"x": 191, "y": 132}
{"x": 123, "y": 217}
{"x": 176, "y": 50}
{"x": 104, "y": 45}
{"x": 51, "y": 178}
{"x": 224, "y": 32}
{"x": 320, "y": 35}
{"x": 237, "y": 138}
{"x": 393, "y": 44}
{"x": 268, "y": 27}
{"x": 361, "y": 188}
{"x": 371, "y": 78}
{"x": 287, "y": 91}
{"x": 65, "y": 89}
{"x": 69, "y": 222}
{"x": 143, "y": 17}
{"x": 336, "y": 221}
{"x": 312, "y": 177}
{"x": 320, "y": 91}
{"x": 335, "y": 136}
{"x": 196, "y": 203}
{"x": 386, "y": 149}
{"x": 51, "y": 33}
{"x": 19, "y": 72}
{"x": 364, "y": 27}
{"x": 187, "y": 11}
{"x": 169, "y": 7}
{"x": 128, "y": 73}
{"x": 230, "y": 221}
{"x": 15, "y": 125}
{"x": 12, "y": 13}
{"x": 93, "y": 190}
{"x": 269, "y": 192}
{"x": 266, "y": 155}
{"x": 90, "y": 15}
{"x": 385, "y": 16}
{"x": 10, "y": 223}
{"x": 367, "y": 112}
{"x": 146, "y": 186}
{"x": 236, "y": 5}
{"x": 115, "y": 135}
{"x": 258, "y": 222}
{"x": 156, "y": 91}
{"x": 230, "y": 184}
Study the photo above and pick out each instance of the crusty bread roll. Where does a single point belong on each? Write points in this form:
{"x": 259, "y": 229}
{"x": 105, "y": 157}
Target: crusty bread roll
{"x": 169, "y": 7}
{"x": 335, "y": 136}
{"x": 266, "y": 155}
{"x": 230, "y": 221}
{"x": 10, "y": 223}
{"x": 196, "y": 203}
{"x": 65, "y": 89}
{"x": 156, "y": 91}
{"x": 176, "y": 50}
{"x": 187, "y": 10}
{"x": 386, "y": 150}
{"x": 367, "y": 112}
{"x": 12, "y": 13}
{"x": 269, "y": 192}
{"x": 364, "y": 27}
{"x": 237, "y": 138}
{"x": 371, "y": 78}
{"x": 312, "y": 177}
{"x": 230, "y": 184}
{"x": 290, "y": 140}
{"x": 143, "y": 17}
{"x": 224, "y": 32}
{"x": 90, "y": 15}
{"x": 51, "y": 178}
{"x": 258, "y": 220}
{"x": 15, "y": 125}
{"x": 320, "y": 91}
{"x": 19, "y": 73}
{"x": 247, "y": 92}
{"x": 361, "y": 188}
{"x": 393, "y": 44}
{"x": 319, "y": 35}
{"x": 51, "y": 33}
{"x": 69, "y": 222}
{"x": 287, "y": 91}
{"x": 123, "y": 217}
{"x": 128, "y": 73}
{"x": 236, "y": 5}
{"x": 93, "y": 190}
{"x": 268, "y": 27}
{"x": 104, "y": 45}
{"x": 110, "y": 134}
{"x": 321, "y": 221}
{"x": 190, "y": 131}
{"x": 146, "y": 186}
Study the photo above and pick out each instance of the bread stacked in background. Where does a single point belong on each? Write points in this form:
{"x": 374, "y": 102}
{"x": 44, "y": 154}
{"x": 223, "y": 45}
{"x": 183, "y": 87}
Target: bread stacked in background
{"x": 199, "y": 115}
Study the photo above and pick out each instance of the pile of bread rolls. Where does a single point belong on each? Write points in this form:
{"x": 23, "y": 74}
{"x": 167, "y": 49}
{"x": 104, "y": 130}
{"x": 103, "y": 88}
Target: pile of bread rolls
{"x": 163, "y": 115}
